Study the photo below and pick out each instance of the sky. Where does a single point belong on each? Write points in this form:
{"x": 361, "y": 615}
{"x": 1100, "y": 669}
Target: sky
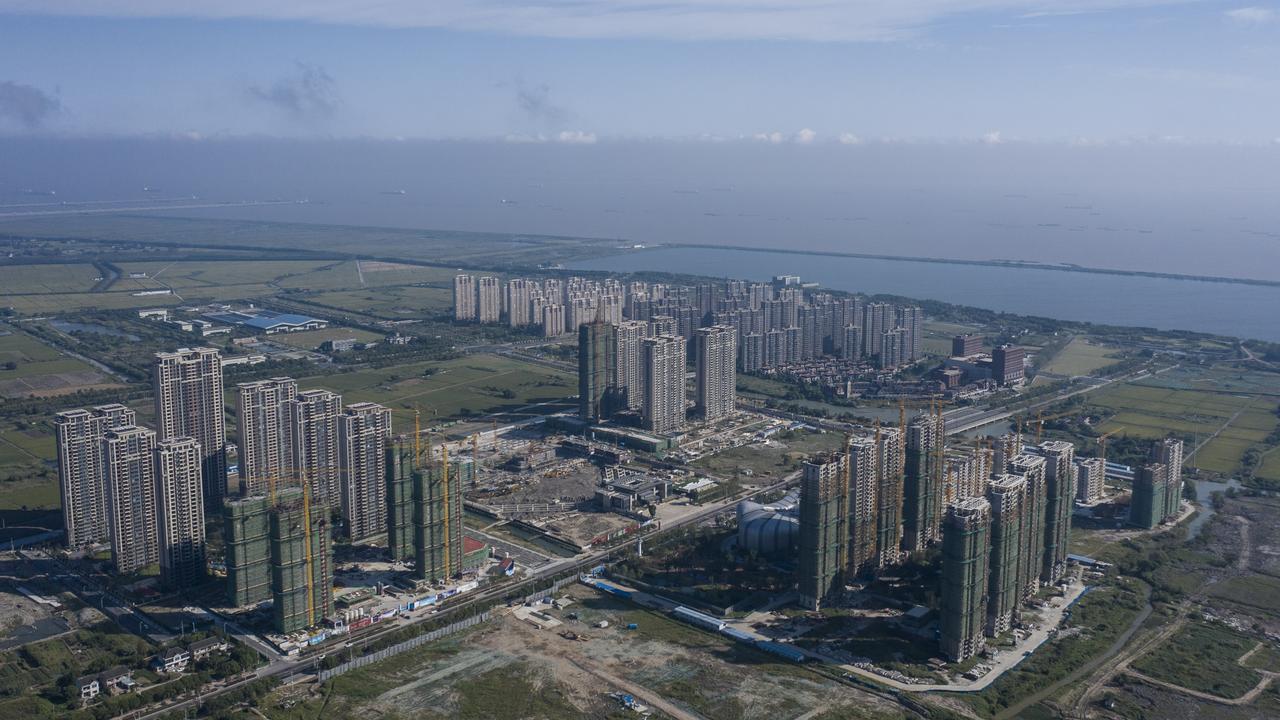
{"x": 583, "y": 71}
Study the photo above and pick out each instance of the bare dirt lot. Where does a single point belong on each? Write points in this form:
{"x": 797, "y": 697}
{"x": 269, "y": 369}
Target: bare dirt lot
{"x": 674, "y": 669}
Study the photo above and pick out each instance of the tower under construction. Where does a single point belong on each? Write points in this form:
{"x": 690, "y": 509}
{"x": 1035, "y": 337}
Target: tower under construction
{"x": 1059, "y": 477}
{"x": 400, "y": 464}
{"x": 889, "y": 464}
{"x": 246, "y": 532}
{"x": 1031, "y": 468}
{"x": 301, "y": 561}
{"x": 965, "y": 551}
{"x": 1004, "y": 494}
{"x": 864, "y": 501}
{"x": 824, "y": 535}
{"x": 922, "y": 483}
{"x": 437, "y": 517}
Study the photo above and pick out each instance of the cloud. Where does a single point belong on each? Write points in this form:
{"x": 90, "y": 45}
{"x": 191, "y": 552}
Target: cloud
{"x": 535, "y": 102}
{"x": 992, "y": 138}
{"x": 1252, "y": 15}
{"x": 27, "y": 105}
{"x": 813, "y": 20}
{"x": 849, "y": 139}
{"x": 576, "y": 137}
{"x": 566, "y": 137}
{"x": 805, "y": 136}
{"x": 308, "y": 93}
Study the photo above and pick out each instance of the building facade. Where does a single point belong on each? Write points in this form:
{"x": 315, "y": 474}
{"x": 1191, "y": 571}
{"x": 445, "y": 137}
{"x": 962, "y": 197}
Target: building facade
{"x": 131, "y": 498}
{"x": 262, "y": 423}
{"x": 716, "y": 362}
{"x": 363, "y": 432}
{"x": 663, "y": 362}
{"x": 82, "y": 472}
{"x": 824, "y": 533}
{"x": 189, "y": 403}
{"x": 966, "y": 548}
{"x": 180, "y": 503}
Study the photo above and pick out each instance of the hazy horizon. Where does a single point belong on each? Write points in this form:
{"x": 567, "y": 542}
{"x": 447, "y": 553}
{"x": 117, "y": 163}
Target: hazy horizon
{"x": 1189, "y": 209}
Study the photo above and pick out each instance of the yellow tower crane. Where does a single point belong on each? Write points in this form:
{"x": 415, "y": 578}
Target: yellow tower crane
{"x": 1102, "y": 443}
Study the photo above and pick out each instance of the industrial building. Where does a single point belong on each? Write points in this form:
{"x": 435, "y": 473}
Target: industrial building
{"x": 965, "y": 555}
{"x": 629, "y": 493}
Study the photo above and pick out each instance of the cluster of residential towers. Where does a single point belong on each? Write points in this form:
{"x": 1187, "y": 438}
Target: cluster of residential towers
{"x": 308, "y": 465}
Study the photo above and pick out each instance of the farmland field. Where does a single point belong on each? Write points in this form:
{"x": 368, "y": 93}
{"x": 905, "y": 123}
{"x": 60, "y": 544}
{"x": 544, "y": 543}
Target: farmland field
{"x": 392, "y": 303}
{"x": 1240, "y": 407}
{"x": 217, "y": 273}
{"x": 29, "y": 367}
{"x": 47, "y": 278}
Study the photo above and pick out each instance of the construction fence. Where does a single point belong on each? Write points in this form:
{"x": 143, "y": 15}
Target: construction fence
{"x": 383, "y": 654}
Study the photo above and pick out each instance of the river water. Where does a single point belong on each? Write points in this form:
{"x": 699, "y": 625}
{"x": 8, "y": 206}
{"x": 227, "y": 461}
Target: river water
{"x": 1164, "y": 303}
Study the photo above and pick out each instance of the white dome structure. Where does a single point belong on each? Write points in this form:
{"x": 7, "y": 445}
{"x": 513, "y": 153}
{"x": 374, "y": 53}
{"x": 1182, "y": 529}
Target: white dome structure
{"x": 769, "y": 529}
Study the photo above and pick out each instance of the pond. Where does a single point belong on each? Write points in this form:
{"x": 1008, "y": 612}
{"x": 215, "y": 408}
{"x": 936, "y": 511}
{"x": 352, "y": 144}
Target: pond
{"x": 69, "y": 326}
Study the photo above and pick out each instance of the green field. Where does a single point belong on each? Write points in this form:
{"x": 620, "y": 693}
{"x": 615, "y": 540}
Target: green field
{"x": 466, "y": 386}
{"x": 312, "y": 339}
{"x": 1202, "y": 657}
{"x": 371, "y": 273}
{"x": 1259, "y": 591}
{"x": 390, "y": 303}
{"x": 1081, "y": 357}
{"x": 19, "y": 279}
{"x": 437, "y": 246}
{"x": 1196, "y": 406}
{"x": 215, "y": 273}
{"x": 30, "y": 367}
{"x": 937, "y": 336}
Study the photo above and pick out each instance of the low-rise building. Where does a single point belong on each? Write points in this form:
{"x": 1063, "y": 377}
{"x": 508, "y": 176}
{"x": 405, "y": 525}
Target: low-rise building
{"x": 173, "y": 660}
{"x": 89, "y": 687}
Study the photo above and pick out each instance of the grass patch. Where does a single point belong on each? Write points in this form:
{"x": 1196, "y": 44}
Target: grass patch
{"x": 1081, "y": 356}
{"x": 451, "y": 389}
{"x": 1202, "y": 657}
{"x": 1259, "y": 591}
